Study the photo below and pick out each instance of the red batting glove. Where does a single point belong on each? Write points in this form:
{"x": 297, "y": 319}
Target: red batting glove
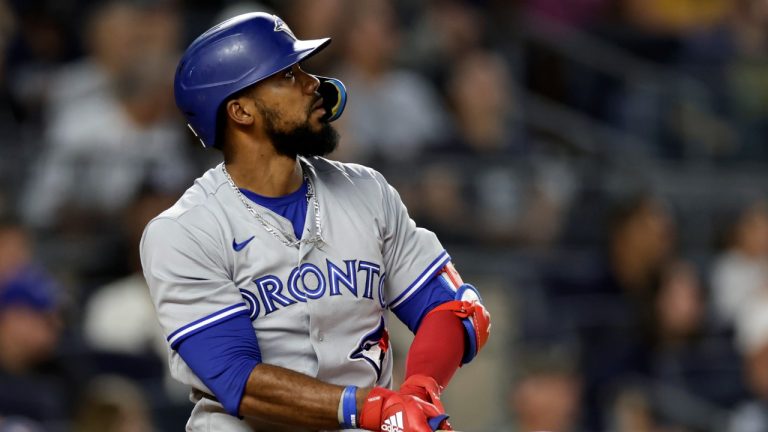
{"x": 423, "y": 387}
{"x": 388, "y": 411}
{"x": 427, "y": 389}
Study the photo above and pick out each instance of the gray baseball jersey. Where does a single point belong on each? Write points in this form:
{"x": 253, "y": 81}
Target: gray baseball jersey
{"x": 321, "y": 311}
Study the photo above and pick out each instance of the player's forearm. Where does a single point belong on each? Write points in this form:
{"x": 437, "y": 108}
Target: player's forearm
{"x": 437, "y": 348}
{"x": 284, "y": 396}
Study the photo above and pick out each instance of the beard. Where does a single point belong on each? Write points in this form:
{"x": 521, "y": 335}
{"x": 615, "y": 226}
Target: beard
{"x": 300, "y": 140}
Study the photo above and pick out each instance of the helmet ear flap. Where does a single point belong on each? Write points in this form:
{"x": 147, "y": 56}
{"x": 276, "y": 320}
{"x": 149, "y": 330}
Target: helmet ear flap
{"x": 334, "y": 97}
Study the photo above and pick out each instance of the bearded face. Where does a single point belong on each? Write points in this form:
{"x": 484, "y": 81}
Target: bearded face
{"x": 300, "y": 138}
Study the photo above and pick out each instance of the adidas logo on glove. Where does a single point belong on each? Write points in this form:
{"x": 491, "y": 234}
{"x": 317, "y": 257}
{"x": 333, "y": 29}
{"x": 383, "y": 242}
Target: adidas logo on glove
{"x": 394, "y": 423}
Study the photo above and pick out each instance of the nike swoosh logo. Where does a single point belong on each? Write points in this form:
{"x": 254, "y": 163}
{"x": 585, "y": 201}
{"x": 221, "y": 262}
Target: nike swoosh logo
{"x": 239, "y": 246}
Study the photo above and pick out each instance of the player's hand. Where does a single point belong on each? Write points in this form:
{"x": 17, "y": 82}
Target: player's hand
{"x": 389, "y": 411}
{"x": 423, "y": 387}
{"x": 427, "y": 389}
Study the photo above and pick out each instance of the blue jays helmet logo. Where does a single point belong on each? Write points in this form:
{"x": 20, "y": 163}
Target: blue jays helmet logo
{"x": 373, "y": 348}
{"x": 280, "y": 25}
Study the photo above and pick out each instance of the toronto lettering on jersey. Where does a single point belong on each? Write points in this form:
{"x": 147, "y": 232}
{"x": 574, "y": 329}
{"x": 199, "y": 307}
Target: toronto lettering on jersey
{"x": 308, "y": 282}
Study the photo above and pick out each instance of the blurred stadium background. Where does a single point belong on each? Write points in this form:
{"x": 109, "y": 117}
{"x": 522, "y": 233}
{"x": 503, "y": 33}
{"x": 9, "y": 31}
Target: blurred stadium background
{"x": 598, "y": 168}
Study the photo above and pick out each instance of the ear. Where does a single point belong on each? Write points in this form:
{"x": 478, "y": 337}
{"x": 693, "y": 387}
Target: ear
{"x": 241, "y": 110}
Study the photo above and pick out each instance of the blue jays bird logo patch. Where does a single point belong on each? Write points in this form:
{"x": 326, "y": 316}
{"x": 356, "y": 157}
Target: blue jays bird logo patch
{"x": 373, "y": 348}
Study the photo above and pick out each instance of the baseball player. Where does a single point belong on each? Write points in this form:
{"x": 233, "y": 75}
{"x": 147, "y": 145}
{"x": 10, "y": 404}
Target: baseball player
{"x": 274, "y": 273}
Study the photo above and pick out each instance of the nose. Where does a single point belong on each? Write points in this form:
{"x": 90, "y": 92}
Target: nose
{"x": 311, "y": 82}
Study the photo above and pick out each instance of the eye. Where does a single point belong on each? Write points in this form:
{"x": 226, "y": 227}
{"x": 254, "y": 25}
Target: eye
{"x": 288, "y": 74}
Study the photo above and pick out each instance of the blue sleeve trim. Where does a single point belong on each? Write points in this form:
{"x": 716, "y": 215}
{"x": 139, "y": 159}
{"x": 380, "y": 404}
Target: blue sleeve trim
{"x": 432, "y": 294}
{"x": 223, "y": 356}
{"x": 196, "y": 326}
{"x": 423, "y": 278}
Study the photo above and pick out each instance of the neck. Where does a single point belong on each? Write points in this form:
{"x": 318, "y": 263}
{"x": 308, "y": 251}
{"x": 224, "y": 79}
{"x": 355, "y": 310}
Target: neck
{"x": 264, "y": 172}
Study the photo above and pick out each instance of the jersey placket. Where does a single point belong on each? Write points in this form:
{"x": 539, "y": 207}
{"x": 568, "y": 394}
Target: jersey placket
{"x": 314, "y": 333}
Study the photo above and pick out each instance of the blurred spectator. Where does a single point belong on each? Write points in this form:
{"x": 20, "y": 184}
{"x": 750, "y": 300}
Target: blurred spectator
{"x": 690, "y": 377}
{"x": 679, "y": 306}
{"x": 546, "y": 394}
{"x": 439, "y": 203}
{"x": 483, "y": 101}
{"x": 651, "y": 358}
{"x": 314, "y": 19}
{"x": 34, "y": 386}
{"x": 15, "y": 247}
{"x": 29, "y": 320}
{"x": 112, "y": 40}
{"x": 480, "y": 95}
{"x": 547, "y": 198}
{"x": 113, "y": 404}
{"x": 752, "y": 415}
{"x": 740, "y": 292}
{"x": 119, "y": 34}
{"x": 44, "y": 41}
{"x": 394, "y": 112}
{"x": 499, "y": 205}
{"x": 100, "y": 155}
{"x": 443, "y": 32}
{"x": 740, "y": 272}
{"x": 113, "y": 127}
{"x": 607, "y": 306}
{"x": 510, "y": 206}
{"x": 642, "y": 237}
{"x": 119, "y": 317}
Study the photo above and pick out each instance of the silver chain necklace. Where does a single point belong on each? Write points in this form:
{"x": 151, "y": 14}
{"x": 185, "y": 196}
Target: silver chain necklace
{"x": 285, "y": 238}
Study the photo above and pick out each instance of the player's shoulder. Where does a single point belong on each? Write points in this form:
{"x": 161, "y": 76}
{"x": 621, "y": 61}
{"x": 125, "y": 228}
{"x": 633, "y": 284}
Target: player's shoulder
{"x": 329, "y": 169}
{"x": 198, "y": 205}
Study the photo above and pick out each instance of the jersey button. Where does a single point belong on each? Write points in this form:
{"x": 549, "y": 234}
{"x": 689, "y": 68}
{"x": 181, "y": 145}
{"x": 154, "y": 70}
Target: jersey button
{"x": 320, "y": 337}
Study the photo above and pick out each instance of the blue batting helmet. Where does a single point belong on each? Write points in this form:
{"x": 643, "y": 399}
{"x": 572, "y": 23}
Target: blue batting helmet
{"x": 236, "y": 54}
